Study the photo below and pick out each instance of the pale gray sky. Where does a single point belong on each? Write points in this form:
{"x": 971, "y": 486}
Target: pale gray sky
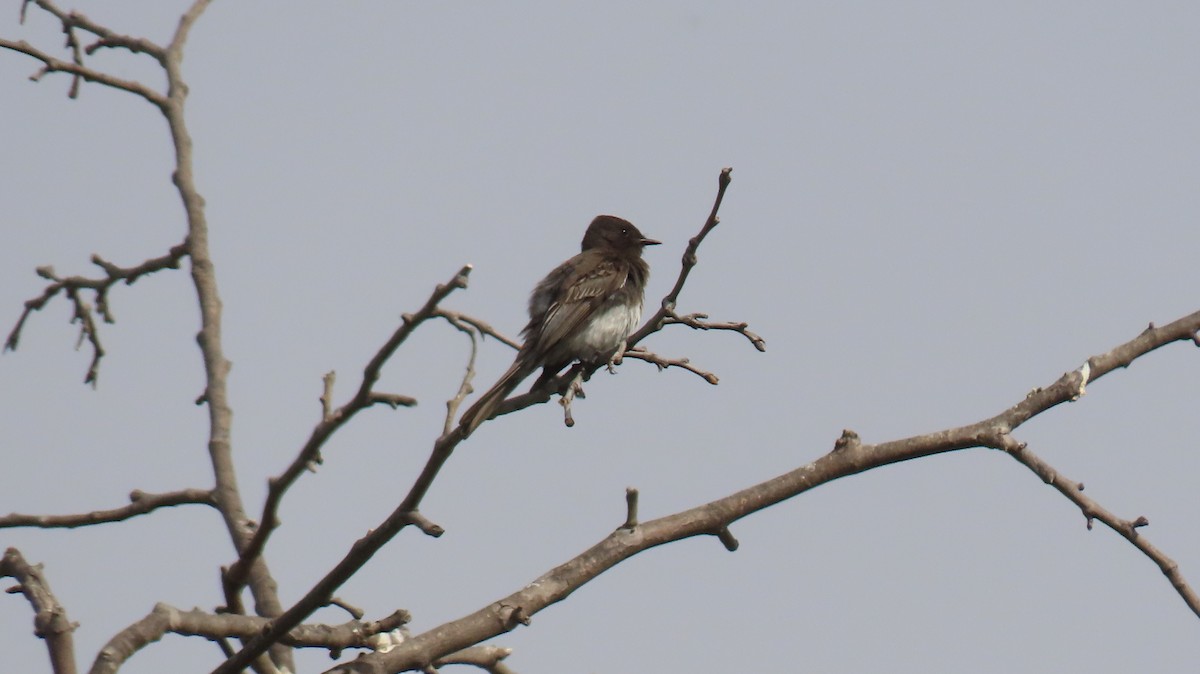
{"x": 936, "y": 207}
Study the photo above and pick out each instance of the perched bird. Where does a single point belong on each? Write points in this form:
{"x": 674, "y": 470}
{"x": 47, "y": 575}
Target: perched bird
{"x": 583, "y": 310}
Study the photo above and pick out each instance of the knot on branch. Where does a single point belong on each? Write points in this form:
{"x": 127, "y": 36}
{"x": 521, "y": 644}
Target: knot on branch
{"x": 848, "y": 440}
{"x": 511, "y": 616}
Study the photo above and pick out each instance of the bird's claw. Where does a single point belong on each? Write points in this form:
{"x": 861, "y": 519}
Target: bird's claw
{"x": 617, "y": 358}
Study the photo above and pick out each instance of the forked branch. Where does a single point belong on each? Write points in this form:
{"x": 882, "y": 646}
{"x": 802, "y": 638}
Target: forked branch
{"x": 849, "y": 456}
{"x": 407, "y": 512}
{"x": 331, "y": 421}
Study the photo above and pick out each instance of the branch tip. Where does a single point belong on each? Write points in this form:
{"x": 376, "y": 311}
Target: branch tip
{"x": 726, "y": 537}
{"x": 393, "y": 400}
{"x": 631, "y": 508}
{"x": 423, "y": 523}
{"x": 354, "y": 611}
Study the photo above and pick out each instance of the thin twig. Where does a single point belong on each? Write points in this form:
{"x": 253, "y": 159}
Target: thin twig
{"x": 354, "y": 611}
{"x": 53, "y": 65}
{"x": 106, "y": 36}
{"x": 1127, "y": 529}
{"x": 696, "y": 322}
{"x": 140, "y": 503}
{"x": 392, "y": 400}
{"x": 483, "y": 327}
{"x": 667, "y": 306}
{"x": 472, "y": 331}
{"x": 73, "y": 285}
{"x": 87, "y": 330}
{"x": 640, "y": 353}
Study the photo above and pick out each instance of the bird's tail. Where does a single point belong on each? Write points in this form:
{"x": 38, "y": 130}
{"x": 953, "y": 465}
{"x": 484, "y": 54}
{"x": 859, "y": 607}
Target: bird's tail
{"x": 483, "y": 408}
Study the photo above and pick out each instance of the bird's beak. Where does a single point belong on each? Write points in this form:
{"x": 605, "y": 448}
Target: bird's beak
{"x": 649, "y": 242}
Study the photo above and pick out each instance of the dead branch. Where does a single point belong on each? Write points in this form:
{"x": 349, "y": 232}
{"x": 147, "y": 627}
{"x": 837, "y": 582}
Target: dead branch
{"x": 483, "y": 327}
{"x": 473, "y": 333}
{"x": 83, "y": 312}
{"x": 407, "y": 513}
{"x": 488, "y": 658}
{"x": 140, "y": 503}
{"x": 165, "y": 619}
{"x": 849, "y": 457}
{"x": 331, "y": 421}
{"x": 1127, "y": 529}
{"x": 225, "y": 495}
{"x": 689, "y": 260}
{"x": 698, "y": 322}
{"x": 50, "y": 620}
{"x": 640, "y": 353}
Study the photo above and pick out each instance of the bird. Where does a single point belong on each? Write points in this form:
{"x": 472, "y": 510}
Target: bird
{"x": 583, "y": 310}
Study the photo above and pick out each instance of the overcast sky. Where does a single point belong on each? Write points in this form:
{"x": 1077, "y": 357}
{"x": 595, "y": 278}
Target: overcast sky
{"x": 936, "y": 207}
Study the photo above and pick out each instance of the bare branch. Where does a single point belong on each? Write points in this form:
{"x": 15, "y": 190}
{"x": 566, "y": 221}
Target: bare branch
{"x": 87, "y": 330}
{"x": 640, "y": 353}
{"x": 487, "y": 658}
{"x": 330, "y": 422}
{"x": 427, "y": 527}
{"x": 697, "y": 322}
{"x": 483, "y": 327}
{"x": 107, "y": 38}
{"x": 174, "y": 51}
{"x": 1128, "y": 529}
{"x": 849, "y": 457}
{"x": 327, "y": 395}
{"x": 140, "y": 503}
{"x": 405, "y": 514}
{"x": 53, "y": 65}
{"x": 631, "y": 508}
{"x": 76, "y": 56}
{"x": 225, "y": 493}
{"x": 165, "y": 619}
{"x": 73, "y": 285}
{"x": 689, "y": 260}
{"x": 393, "y": 400}
{"x": 360, "y": 552}
{"x": 354, "y": 611}
{"x": 726, "y": 537}
{"x": 472, "y": 332}
{"x": 50, "y": 620}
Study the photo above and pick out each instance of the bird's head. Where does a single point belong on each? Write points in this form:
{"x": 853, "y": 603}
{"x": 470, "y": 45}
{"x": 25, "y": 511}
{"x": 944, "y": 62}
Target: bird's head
{"x": 609, "y": 231}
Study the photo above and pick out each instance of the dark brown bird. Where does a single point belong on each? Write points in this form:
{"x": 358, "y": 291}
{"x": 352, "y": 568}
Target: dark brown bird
{"x": 583, "y": 310}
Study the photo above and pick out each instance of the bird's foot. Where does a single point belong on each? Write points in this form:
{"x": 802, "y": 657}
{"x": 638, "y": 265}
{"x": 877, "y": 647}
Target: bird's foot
{"x": 617, "y": 358}
{"x": 574, "y": 390}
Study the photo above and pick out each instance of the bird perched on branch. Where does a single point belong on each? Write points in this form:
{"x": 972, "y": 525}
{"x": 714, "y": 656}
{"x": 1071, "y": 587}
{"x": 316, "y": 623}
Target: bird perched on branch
{"x": 583, "y": 310}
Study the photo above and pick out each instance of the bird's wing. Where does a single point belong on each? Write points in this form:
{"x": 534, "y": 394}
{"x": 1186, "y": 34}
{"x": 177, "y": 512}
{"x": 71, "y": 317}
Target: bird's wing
{"x": 584, "y": 290}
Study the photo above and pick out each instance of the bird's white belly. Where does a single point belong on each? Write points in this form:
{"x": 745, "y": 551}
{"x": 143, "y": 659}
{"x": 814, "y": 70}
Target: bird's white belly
{"x": 606, "y": 331}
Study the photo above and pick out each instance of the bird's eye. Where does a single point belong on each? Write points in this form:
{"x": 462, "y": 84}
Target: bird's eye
{"x": 624, "y": 231}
